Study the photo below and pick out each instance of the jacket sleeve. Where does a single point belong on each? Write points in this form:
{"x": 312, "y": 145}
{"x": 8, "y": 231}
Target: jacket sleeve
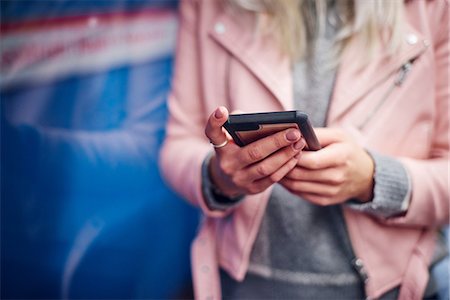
{"x": 186, "y": 146}
{"x": 429, "y": 204}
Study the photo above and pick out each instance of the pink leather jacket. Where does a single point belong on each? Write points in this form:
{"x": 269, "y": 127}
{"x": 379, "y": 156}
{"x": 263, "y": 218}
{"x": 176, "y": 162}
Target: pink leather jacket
{"x": 220, "y": 61}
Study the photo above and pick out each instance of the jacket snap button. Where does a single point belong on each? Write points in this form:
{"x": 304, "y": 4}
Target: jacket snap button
{"x": 219, "y": 28}
{"x": 412, "y": 39}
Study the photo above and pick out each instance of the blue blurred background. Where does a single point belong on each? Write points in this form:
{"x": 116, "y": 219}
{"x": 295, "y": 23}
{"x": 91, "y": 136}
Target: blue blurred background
{"x": 84, "y": 212}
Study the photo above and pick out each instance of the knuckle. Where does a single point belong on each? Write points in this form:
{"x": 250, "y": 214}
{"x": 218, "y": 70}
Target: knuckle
{"x": 238, "y": 178}
{"x": 315, "y": 164}
{"x": 279, "y": 141}
{"x": 289, "y": 152}
{"x": 236, "y": 181}
{"x": 339, "y": 178}
{"x": 347, "y": 161}
{"x": 254, "y": 153}
{"x": 332, "y": 191}
{"x": 337, "y": 192}
{"x": 275, "y": 177}
{"x": 252, "y": 189}
{"x": 262, "y": 170}
{"x": 226, "y": 167}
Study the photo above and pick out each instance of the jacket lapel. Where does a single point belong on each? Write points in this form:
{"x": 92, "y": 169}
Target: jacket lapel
{"x": 273, "y": 69}
{"x": 258, "y": 55}
{"x": 353, "y": 81}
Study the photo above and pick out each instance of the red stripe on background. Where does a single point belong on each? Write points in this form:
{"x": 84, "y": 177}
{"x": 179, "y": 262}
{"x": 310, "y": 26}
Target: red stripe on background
{"x": 83, "y": 20}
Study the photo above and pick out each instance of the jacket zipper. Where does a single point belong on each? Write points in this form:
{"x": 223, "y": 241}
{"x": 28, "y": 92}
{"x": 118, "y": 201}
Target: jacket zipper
{"x": 402, "y": 74}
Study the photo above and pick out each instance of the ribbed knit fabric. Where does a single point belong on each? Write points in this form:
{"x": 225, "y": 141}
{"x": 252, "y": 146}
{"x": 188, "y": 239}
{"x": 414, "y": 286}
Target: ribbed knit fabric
{"x": 390, "y": 198}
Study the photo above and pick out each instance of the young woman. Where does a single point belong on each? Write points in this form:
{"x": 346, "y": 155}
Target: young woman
{"x": 355, "y": 219}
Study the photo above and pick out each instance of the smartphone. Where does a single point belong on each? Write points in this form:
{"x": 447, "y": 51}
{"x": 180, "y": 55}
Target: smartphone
{"x": 247, "y": 128}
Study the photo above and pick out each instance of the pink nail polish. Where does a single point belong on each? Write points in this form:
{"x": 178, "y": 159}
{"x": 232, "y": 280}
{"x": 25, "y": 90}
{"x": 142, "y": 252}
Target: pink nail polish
{"x": 218, "y": 114}
{"x": 292, "y": 135}
{"x": 300, "y": 144}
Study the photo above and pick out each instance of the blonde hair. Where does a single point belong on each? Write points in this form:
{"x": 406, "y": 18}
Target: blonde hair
{"x": 295, "y": 22}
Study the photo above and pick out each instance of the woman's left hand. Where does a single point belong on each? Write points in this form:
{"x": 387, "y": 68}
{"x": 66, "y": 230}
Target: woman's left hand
{"x": 341, "y": 170}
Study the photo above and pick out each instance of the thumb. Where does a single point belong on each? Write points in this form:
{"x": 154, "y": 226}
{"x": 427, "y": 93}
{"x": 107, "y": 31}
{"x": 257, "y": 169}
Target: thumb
{"x": 213, "y": 129}
{"x": 327, "y": 136}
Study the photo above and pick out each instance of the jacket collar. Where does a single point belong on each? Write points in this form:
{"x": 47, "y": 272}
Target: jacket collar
{"x": 258, "y": 55}
{"x": 353, "y": 81}
{"x": 274, "y": 70}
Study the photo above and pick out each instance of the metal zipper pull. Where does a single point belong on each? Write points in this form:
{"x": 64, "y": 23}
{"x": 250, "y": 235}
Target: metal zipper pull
{"x": 401, "y": 77}
{"x": 403, "y": 73}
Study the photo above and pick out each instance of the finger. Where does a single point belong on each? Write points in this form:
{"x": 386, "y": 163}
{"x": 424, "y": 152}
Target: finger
{"x": 318, "y": 199}
{"x": 263, "y": 184}
{"x": 313, "y": 198}
{"x": 327, "y": 136}
{"x": 260, "y": 185}
{"x": 214, "y": 131}
{"x": 237, "y": 111}
{"x": 329, "y": 176}
{"x": 308, "y": 187}
{"x": 281, "y": 172}
{"x": 327, "y": 157}
{"x": 269, "y": 166}
{"x": 264, "y": 147}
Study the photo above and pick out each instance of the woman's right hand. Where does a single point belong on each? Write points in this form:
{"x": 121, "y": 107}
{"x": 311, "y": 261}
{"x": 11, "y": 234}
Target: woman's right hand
{"x": 251, "y": 169}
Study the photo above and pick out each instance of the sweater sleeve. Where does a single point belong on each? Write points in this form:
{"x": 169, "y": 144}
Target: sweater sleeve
{"x": 392, "y": 189}
{"x": 213, "y": 198}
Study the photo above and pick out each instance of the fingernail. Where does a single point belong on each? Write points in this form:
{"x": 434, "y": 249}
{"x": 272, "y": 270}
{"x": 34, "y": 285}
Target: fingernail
{"x": 292, "y": 135}
{"x": 218, "y": 114}
{"x": 300, "y": 144}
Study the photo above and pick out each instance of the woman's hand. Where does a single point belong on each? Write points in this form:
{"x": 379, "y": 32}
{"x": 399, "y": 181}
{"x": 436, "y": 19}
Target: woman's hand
{"x": 341, "y": 170}
{"x": 251, "y": 169}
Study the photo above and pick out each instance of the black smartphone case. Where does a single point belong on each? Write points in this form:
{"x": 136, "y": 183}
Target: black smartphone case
{"x": 246, "y": 128}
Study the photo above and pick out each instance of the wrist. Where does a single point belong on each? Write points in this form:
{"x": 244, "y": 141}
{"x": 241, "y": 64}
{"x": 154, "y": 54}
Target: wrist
{"x": 367, "y": 195}
{"x": 368, "y": 185}
{"x": 219, "y": 181}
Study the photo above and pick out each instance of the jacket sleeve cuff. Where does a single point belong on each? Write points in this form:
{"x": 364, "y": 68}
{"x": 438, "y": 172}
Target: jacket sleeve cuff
{"x": 213, "y": 199}
{"x": 392, "y": 189}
